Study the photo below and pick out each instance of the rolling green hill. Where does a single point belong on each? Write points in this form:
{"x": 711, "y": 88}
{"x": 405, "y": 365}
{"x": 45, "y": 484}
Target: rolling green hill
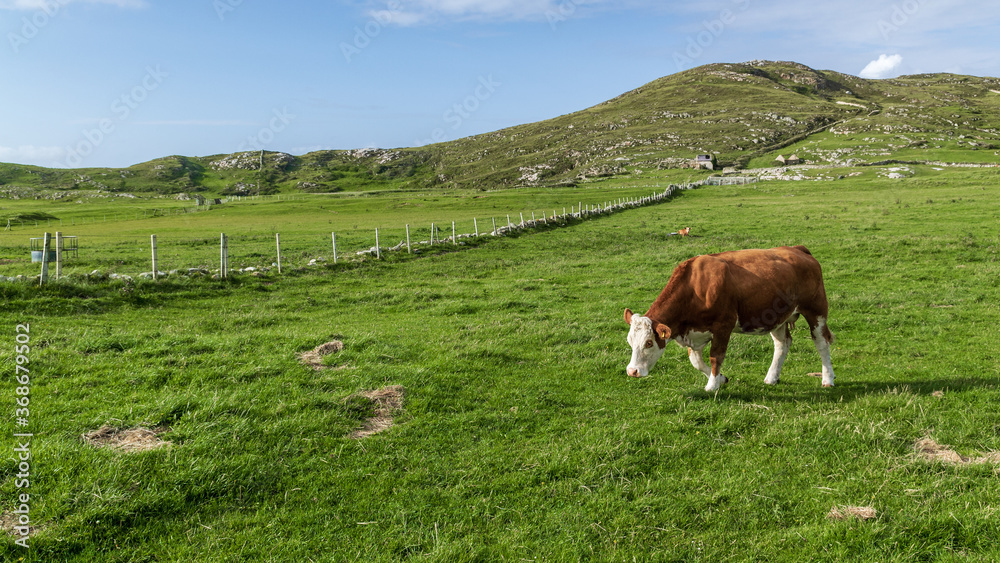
{"x": 744, "y": 114}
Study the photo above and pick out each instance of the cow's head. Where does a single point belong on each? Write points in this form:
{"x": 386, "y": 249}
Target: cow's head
{"x": 647, "y": 339}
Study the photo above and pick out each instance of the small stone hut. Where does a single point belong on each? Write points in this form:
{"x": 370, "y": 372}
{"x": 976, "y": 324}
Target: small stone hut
{"x": 706, "y": 161}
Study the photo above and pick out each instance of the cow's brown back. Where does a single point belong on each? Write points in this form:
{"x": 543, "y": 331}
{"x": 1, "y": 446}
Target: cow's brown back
{"x": 755, "y": 289}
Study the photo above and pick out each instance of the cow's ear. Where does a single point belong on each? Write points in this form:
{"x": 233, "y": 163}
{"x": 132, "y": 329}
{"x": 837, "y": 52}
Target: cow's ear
{"x": 628, "y": 316}
{"x": 663, "y": 330}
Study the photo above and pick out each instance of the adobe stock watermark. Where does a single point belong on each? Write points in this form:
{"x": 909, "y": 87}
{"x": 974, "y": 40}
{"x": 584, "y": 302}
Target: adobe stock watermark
{"x": 223, "y": 7}
{"x": 364, "y": 35}
{"x": 463, "y": 110}
{"x": 121, "y": 108}
{"x": 32, "y": 26}
{"x": 22, "y": 417}
{"x": 698, "y": 42}
{"x": 899, "y": 17}
{"x": 280, "y": 119}
{"x": 561, "y": 13}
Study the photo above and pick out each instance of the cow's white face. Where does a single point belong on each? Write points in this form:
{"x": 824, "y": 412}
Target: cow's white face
{"x": 646, "y": 348}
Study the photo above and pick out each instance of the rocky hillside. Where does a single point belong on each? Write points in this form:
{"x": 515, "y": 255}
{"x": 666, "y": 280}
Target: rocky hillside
{"x": 743, "y": 114}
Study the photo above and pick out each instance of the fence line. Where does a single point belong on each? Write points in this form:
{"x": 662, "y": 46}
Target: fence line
{"x": 120, "y": 216}
{"x": 578, "y": 212}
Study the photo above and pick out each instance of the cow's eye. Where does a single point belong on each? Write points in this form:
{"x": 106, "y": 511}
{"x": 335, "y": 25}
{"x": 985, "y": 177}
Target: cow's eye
{"x": 649, "y": 344}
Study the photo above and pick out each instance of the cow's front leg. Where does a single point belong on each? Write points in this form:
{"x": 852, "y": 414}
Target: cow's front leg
{"x": 720, "y": 341}
{"x": 694, "y": 354}
{"x": 782, "y": 342}
{"x": 698, "y": 361}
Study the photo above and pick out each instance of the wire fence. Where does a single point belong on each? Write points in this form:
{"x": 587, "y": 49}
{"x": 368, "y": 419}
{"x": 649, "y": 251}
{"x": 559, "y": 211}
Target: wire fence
{"x": 222, "y": 255}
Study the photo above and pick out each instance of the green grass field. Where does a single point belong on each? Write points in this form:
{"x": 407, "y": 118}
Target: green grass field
{"x": 520, "y": 437}
{"x": 115, "y": 236}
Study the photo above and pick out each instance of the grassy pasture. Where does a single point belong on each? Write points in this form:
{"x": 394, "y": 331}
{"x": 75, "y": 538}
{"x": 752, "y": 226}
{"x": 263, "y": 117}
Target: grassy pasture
{"x": 305, "y": 221}
{"x": 521, "y": 436}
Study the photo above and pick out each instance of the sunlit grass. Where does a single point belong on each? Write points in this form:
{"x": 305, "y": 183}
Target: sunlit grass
{"x": 521, "y": 437}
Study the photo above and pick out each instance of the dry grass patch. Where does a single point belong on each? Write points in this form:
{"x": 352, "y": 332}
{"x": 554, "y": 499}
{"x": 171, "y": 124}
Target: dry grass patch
{"x": 9, "y": 522}
{"x": 929, "y": 450}
{"x": 845, "y": 512}
{"x": 387, "y": 403}
{"x": 126, "y": 439}
{"x": 314, "y": 358}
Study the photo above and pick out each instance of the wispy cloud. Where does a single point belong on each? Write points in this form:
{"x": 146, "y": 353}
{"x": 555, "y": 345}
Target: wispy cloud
{"x": 419, "y": 12}
{"x": 31, "y": 154}
{"x": 200, "y": 122}
{"x": 50, "y": 5}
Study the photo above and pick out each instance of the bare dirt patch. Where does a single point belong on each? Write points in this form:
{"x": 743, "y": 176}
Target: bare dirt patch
{"x": 845, "y": 512}
{"x": 9, "y": 522}
{"x": 387, "y": 402}
{"x": 126, "y": 439}
{"x": 929, "y": 450}
{"x": 314, "y": 358}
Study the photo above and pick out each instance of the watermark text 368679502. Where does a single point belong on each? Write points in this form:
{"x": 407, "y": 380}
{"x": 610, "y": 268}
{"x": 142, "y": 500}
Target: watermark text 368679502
{"x": 22, "y": 438}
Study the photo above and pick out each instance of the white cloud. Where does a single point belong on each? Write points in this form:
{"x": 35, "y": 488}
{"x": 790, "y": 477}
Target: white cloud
{"x": 30, "y": 154}
{"x": 881, "y": 67}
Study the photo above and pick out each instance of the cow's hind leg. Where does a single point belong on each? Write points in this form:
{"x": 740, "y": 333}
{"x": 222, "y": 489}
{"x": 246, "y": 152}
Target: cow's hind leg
{"x": 822, "y": 337}
{"x": 782, "y": 342}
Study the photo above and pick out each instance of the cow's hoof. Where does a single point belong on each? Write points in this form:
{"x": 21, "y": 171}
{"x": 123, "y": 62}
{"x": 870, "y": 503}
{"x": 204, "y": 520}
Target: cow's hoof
{"x": 769, "y": 381}
{"x": 715, "y": 383}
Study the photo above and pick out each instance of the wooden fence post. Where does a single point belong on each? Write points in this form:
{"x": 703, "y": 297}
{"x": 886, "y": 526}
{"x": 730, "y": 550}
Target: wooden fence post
{"x": 152, "y": 240}
{"x": 334, "y": 236}
{"x": 454, "y": 237}
{"x": 45, "y": 259}
{"x": 495, "y": 226}
{"x": 378, "y": 251}
{"x": 277, "y": 242}
{"x": 59, "y": 245}
{"x": 432, "y": 234}
{"x": 475, "y": 224}
{"x": 223, "y": 268}
{"x": 408, "y": 249}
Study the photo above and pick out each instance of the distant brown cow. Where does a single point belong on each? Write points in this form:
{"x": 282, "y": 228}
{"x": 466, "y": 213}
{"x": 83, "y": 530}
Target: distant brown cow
{"x": 745, "y": 291}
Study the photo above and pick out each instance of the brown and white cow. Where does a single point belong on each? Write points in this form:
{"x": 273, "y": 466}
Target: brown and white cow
{"x": 744, "y": 291}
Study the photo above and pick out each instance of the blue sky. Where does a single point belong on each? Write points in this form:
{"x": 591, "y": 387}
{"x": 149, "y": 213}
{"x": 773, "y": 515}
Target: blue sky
{"x": 118, "y": 82}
